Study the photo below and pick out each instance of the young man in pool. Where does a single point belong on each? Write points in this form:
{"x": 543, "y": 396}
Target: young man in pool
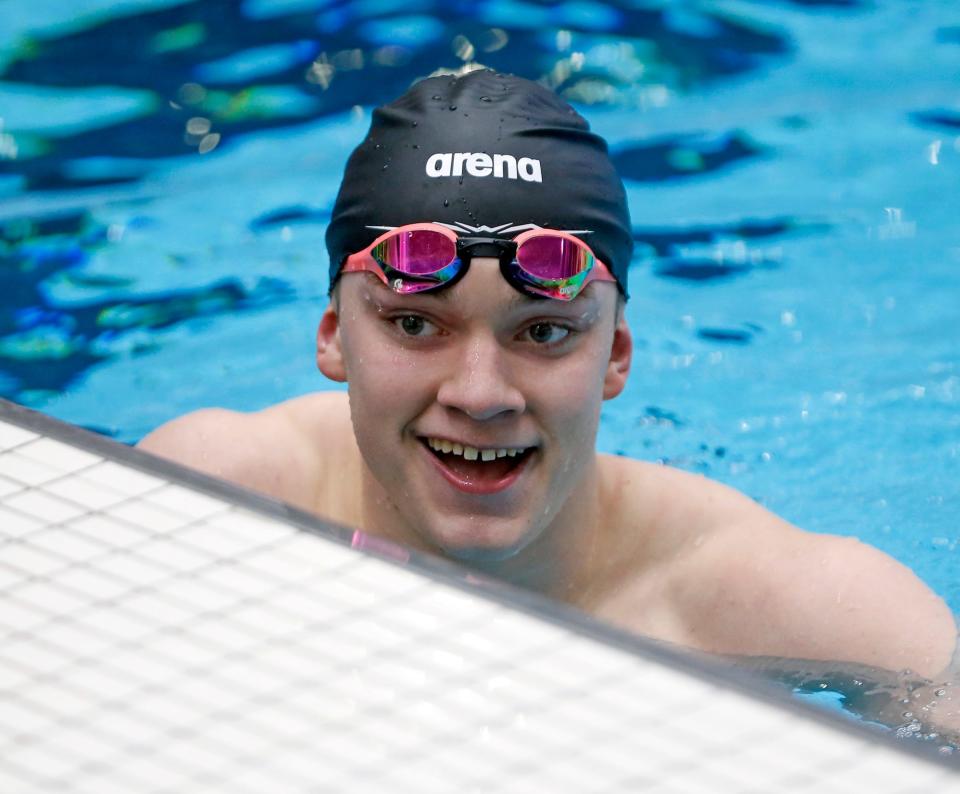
{"x": 479, "y": 248}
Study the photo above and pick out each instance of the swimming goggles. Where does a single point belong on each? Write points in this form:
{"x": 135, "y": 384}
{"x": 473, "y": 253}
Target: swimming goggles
{"x": 543, "y": 263}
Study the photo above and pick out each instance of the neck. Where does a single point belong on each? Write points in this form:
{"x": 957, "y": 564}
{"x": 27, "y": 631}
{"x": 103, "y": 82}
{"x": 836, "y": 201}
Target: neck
{"x": 566, "y": 561}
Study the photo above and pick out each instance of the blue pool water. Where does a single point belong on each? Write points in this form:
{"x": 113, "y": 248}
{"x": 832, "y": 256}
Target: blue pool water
{"x": 167, "y": 170}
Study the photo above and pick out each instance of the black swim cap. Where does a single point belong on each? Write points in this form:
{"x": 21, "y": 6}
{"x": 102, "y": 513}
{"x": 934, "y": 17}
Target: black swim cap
{"x": 489, "y": 155}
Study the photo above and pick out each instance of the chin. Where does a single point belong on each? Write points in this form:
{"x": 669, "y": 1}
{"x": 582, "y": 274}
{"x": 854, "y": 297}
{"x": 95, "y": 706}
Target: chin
{"x": 481, "y": 543}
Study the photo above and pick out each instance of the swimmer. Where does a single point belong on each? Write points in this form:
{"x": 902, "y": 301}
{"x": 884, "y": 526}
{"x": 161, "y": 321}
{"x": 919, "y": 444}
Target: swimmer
{"x": 479, "y": 250}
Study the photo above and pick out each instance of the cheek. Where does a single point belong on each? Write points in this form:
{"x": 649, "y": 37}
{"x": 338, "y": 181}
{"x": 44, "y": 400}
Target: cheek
{"x": 371, "y": 362}
{"x": 568, "y": 398}
{"x": 386, "y": 383}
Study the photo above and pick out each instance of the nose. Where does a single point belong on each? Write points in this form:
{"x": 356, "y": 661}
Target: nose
{"x": 480, "y": 383}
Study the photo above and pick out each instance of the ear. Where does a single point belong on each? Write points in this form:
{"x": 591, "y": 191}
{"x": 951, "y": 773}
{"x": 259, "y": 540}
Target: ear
{"x": 329, "y": 348}
{"x": 621, "y": 354}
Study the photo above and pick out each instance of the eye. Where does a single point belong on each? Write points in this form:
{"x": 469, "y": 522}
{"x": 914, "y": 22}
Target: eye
{"x": 547, "y": 333}
{"x": 415, "y": 325}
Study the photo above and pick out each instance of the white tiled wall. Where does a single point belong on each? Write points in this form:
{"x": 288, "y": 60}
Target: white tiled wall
{"x": 157, "y": 638}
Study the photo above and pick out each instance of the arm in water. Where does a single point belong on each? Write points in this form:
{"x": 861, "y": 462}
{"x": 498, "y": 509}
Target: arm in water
{"x": 911, "y": 706}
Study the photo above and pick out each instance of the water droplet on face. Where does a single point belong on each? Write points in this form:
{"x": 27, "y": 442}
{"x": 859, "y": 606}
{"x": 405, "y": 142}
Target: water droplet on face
{"x": 415, "y": 123}
{"x": 485, "y": 99}
{"x": 446, "y": 202}
{"x": 386, "y": 166}
{"x": 416, "y": 146}
{"x": 453, "y": 107}
{"x": 437, "y": 96}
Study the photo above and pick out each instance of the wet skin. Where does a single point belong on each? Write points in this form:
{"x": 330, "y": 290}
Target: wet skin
{"x": 481, "y": 365}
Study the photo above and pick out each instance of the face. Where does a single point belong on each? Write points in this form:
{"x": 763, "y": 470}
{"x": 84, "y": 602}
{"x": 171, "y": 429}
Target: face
{"x": 475, "y": 408}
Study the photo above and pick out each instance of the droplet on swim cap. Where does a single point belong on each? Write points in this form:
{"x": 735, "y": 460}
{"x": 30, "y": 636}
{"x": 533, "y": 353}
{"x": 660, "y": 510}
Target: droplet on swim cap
{"x": 517, "y": 154}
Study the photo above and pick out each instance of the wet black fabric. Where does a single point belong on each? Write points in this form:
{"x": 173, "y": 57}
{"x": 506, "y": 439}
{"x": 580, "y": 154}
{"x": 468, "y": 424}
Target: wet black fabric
{"x": 485, "y": 153}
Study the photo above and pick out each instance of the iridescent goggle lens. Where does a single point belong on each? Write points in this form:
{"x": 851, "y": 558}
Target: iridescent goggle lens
{"x": 425, "y": 256}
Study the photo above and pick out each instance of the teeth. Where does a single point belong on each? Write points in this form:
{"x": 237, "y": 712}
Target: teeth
{"x": 472, "y": 453}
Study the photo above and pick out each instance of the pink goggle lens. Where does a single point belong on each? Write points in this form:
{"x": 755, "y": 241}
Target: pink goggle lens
{"x": 553, "y": 258}
{"x": 418, "y": 253}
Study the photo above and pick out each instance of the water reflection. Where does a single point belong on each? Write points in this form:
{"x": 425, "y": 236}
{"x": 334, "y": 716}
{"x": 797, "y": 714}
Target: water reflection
{"x": 58, "y": 321}
{"x": 682, "y": 156}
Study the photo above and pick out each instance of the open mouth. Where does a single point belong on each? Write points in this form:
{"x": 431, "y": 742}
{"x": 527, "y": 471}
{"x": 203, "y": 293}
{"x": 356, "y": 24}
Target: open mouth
{"x": 476, "y": 466}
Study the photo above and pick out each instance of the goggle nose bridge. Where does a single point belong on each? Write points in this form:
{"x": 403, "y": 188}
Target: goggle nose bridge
{"x": 503, "y": 250}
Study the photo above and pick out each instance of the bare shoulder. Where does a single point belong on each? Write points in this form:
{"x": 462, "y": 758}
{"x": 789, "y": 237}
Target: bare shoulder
{"x": 768, "y": 588}
{"x": 825, "y": 597}
{"x": 741, "y": 580}
{"x": 327, "y": 413}
{"x": 680, "y": 506}
{"x": 279, "y": 450}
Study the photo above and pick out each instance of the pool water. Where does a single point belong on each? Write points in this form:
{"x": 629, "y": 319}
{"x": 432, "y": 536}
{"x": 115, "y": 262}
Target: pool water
{"x": 167, "y": 170}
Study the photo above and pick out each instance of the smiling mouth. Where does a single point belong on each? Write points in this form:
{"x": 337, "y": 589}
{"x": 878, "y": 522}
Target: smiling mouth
{"x": 475, "y": 465}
